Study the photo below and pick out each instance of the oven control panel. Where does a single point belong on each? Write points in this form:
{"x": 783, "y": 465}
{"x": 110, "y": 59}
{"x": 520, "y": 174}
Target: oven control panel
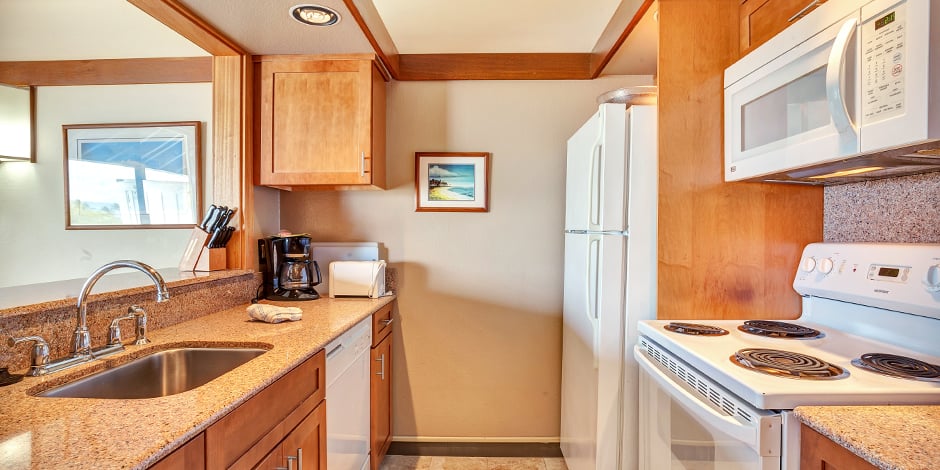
{"x": 897, "y": 276}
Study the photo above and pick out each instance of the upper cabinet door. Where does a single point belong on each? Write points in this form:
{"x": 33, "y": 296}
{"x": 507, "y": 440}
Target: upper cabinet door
{"x": 321, "y": 123}
{"x": 763, "y": 19}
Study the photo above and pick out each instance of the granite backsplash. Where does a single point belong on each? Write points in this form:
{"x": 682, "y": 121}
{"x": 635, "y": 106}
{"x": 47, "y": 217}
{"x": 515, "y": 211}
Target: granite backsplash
{"x": 55, "y": 321}
{"x": 897, "y": 210}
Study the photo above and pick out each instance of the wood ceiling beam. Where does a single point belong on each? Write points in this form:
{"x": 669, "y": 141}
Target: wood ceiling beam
{"x": 621, "y": 25}
{"x": 536, "y": 66}
{"x": 107, "y": 71}
{"x": 371, "y": 24}
{"x": 178, "y": 18}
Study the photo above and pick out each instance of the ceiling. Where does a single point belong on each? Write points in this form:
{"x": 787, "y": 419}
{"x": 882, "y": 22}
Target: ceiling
{"x": 438, "y": 27}
{"x": 82, "y": 30}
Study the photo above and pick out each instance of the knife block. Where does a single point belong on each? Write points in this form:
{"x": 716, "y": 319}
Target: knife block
{"x": 211, "y": 259}
{"x": 199, "y": 257}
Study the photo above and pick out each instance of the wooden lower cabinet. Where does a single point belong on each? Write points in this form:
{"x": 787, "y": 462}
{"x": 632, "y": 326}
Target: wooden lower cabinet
{"x": 261, "y": 433}
{"x": 817, "y": 452}
{"x": 381, "y": 385}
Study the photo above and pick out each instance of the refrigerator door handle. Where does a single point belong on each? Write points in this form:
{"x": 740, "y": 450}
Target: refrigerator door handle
{"x": 594, "y": 188}
{"x": 593, "y": 284}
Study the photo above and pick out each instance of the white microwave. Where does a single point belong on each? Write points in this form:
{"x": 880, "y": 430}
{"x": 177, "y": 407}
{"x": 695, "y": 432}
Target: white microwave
{"x": 850, "y": 92}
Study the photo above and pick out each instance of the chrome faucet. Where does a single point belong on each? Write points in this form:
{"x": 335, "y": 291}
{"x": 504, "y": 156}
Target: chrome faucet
{"x": 81, "y": 342}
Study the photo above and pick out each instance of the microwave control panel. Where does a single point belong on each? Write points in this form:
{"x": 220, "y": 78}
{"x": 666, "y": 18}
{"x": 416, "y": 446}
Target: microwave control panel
{"x": 883, "y": 64}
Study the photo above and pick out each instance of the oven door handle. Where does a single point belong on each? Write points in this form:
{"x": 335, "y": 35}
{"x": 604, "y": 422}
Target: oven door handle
{"x": 748, "y": 435}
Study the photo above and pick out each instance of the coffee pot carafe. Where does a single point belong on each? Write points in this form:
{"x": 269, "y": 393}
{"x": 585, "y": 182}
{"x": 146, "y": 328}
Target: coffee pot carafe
{"x": 288, "y": 271}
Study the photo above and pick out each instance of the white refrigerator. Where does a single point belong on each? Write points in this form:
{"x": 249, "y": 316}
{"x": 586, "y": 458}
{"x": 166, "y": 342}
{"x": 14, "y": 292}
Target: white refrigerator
{"x": 610, "y": 282}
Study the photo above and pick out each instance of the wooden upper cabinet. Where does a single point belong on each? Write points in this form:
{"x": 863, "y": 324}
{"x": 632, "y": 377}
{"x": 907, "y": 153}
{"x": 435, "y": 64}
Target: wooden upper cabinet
{"x": 763, "y": 19}
{"x": 320, "y": 122}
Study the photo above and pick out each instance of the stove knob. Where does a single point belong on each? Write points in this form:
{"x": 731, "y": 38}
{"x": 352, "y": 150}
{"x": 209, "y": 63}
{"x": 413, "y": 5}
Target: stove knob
{"x": 809, "y": 264}
{"x": 932, "y": 279}
{"x": 825, "y": 265}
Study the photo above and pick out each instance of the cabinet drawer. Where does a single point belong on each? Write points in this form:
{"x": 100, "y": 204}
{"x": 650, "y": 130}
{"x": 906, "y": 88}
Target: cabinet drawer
{"x": 237, "y": 432}
{"x": 381, "y": 324}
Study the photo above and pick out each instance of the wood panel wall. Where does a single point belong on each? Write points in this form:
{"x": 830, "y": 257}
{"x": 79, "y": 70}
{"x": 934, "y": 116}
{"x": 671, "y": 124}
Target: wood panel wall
{"x": 726, "y": 250}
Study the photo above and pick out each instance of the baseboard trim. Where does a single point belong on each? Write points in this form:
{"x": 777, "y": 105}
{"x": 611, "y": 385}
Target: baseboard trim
{"x": 488, "y": 448}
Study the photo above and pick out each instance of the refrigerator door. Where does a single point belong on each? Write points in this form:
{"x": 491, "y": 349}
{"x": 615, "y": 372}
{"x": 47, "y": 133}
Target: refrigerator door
{"x": 595, "y": 188}
{"x": 579, "y": 372}
{"x": 641, "y": 269}
{"x": 592, "y": 350}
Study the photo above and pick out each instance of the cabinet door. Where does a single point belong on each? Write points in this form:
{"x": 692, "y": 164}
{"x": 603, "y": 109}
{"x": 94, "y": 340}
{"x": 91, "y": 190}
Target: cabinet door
{"x": 315, "y": 122}
{"x": 306, "y": 444}
{"x": 763, "y": 19}
{"x": 817, "y": 452}
{"x": 191, "y": 456}
{"x": 381, "y": 400}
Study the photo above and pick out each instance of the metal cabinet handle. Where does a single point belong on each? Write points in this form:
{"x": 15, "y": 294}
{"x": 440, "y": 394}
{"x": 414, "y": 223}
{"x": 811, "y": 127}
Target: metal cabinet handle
{"x": 805, "y": 10}
{"x": 387, "y": 322}
{"x": 362, "y": 163}
{"x": 291, "y": 459}
{"x": 381, "y": 361}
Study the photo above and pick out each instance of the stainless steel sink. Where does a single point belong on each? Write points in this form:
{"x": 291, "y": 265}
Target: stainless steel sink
{"x": 157, "y": 375}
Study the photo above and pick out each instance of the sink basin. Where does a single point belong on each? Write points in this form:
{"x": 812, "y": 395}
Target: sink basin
{"x": 159, "y": 374}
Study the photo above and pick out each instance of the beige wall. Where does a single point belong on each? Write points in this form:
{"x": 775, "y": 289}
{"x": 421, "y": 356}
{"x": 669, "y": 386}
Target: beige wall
{"x": 478, "y": 333}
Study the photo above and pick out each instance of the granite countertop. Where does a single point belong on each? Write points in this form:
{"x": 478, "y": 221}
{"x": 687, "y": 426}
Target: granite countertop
{"x": 99, "y": 433}
{"x": 889, "y": 437}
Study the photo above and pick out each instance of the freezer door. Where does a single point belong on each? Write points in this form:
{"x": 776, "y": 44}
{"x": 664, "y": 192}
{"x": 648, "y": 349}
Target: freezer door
{"x": 592, "y": 350}
{"x": 595, "y": 182}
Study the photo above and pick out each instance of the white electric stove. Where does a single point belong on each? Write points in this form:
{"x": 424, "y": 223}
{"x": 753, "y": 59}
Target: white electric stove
{"x": 718, "y": 392}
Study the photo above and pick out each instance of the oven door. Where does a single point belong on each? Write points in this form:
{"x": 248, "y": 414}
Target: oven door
{"x": 682, "y": 429}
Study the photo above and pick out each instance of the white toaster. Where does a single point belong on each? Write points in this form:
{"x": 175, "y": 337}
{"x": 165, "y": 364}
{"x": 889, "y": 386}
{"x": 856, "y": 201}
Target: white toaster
{"x": 357, "y": 279}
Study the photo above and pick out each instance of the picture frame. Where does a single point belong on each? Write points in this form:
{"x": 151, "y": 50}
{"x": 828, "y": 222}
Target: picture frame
{"x": 132, "y": 175}
{"x": 452, "y": 181}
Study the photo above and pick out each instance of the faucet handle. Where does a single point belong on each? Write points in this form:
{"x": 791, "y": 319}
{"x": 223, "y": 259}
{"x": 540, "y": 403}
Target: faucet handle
{"x": 114, "y": 331}
{"x": 38, "y": 356}
{"x": 140, "y": 324}
{"x": 134, "y": 312}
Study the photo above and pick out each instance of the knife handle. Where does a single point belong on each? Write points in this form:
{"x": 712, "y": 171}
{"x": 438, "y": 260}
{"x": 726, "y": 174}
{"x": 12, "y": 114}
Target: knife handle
{"x": 208, "y": 218}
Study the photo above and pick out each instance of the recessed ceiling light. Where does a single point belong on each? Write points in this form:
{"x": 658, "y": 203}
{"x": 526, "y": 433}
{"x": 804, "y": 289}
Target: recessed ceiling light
{"x": 315, "y": 15}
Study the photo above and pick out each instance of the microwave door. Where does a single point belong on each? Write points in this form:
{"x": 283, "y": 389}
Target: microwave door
{"x": 780, "y": 115}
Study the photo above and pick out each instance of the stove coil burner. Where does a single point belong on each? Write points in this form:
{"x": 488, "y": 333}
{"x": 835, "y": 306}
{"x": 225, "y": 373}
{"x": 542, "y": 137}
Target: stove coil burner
{"x": 778, "y": 329}
{"x": 787, "y": 364}
{"x": 898, "y": 366}
{"x": 695, "y": 329}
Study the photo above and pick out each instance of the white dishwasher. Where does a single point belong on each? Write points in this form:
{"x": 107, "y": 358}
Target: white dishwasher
{"x": 347, "y": 398}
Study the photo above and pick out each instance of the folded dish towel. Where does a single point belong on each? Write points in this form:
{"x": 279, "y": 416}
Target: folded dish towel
{"x": 273, "y": 313}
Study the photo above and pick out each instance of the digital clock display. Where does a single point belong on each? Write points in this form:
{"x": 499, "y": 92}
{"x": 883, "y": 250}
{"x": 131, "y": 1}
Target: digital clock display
{"x": 888, "y": 272}
{"x": 884, "y": 21}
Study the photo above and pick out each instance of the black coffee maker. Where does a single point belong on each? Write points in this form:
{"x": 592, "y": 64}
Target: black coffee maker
{"x": 287, "y": 268}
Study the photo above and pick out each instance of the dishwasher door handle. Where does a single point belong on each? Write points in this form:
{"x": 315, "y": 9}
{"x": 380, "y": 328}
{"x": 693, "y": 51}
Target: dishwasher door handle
{"x": 339, "y": 347}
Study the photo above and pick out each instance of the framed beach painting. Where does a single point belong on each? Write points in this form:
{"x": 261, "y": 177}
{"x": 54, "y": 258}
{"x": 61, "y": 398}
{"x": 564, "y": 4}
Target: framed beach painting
{"x": 452, "y": 181}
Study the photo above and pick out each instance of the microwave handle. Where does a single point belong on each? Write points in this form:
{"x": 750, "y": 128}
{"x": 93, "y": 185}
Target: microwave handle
{"x": 747, "y": 435}
{"x": 835, "y": 93}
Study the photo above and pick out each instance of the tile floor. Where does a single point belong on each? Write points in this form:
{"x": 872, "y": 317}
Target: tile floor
{"x": 413, "y": 462}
